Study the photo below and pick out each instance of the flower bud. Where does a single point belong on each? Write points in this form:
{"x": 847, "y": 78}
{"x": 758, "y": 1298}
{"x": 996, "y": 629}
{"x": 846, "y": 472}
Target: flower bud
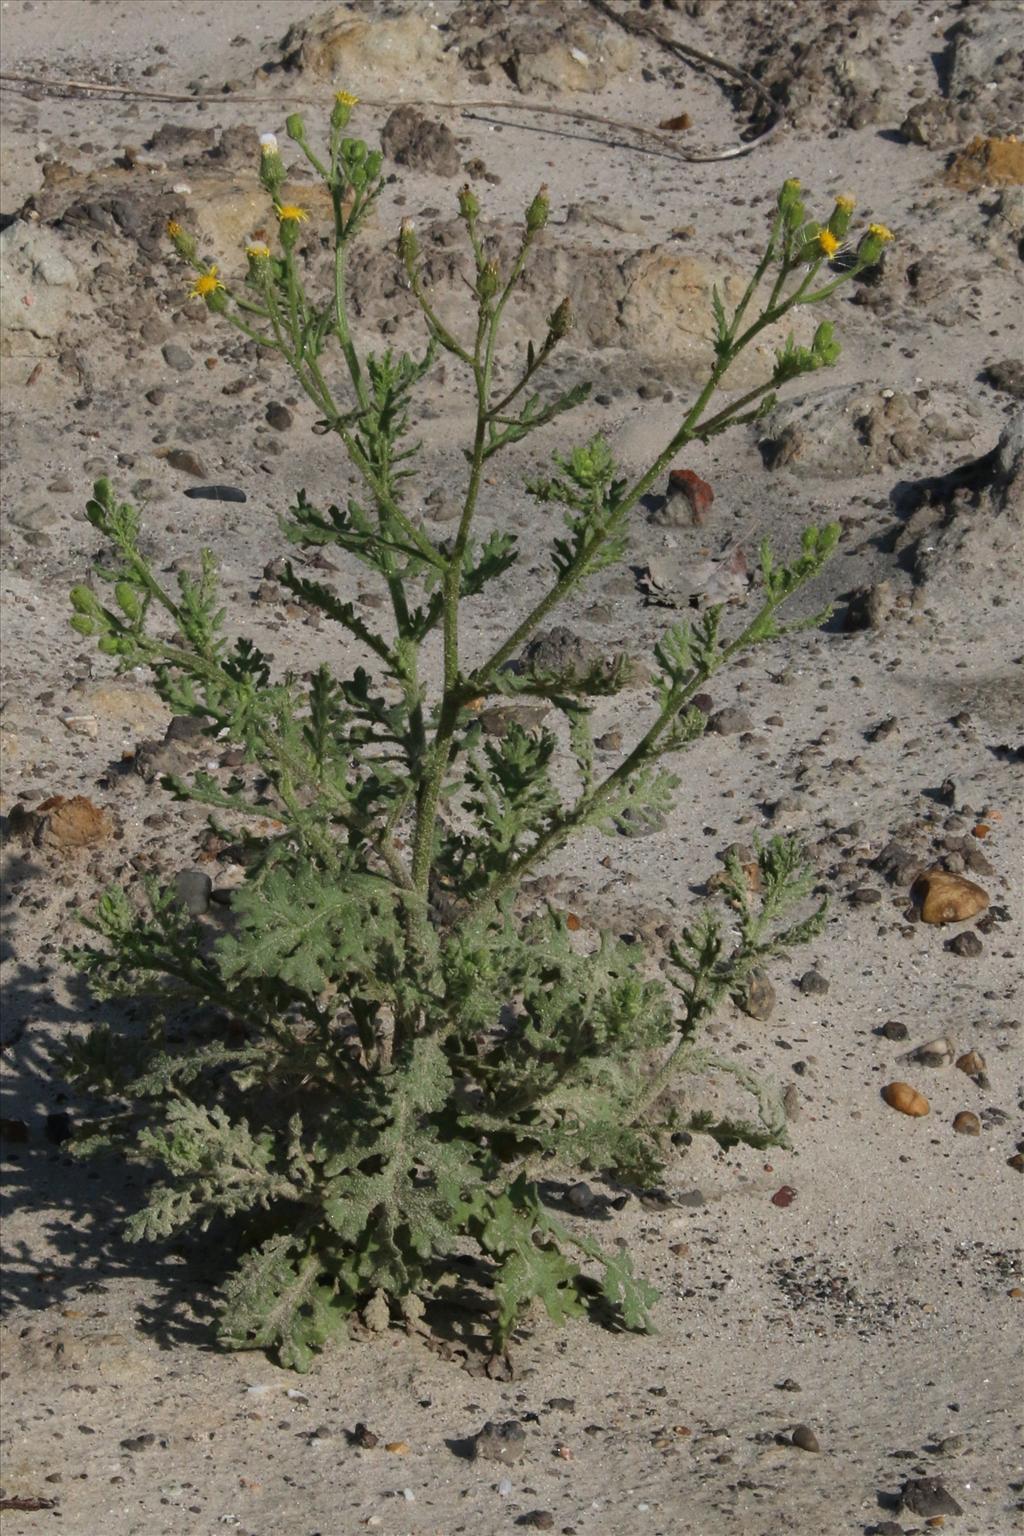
{"x": 83, "y": 625}
{"x": 408, "y": 245}
{"x": 469, "y": 205}
{"x": 872, "y": 244}
{"x": 537, "y": 212}
{"x": 183, "y": 243}
{"x": 791, "y": 204}
{"x": 374, "y": 161}
{"x": 488, "y": 280}
{"x": 128, "y": 600}
{"x": 342, "y": 109}
{"x": 84, "y": 600}
{"x": 295, "y": 127}
{"x": 560, "y": 321}
{"x": 272, "y": 171}
{"x": 839, "y": 220}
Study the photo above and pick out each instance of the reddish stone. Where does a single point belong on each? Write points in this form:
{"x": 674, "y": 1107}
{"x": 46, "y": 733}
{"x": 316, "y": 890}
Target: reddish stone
{"x": 688, "y": 483}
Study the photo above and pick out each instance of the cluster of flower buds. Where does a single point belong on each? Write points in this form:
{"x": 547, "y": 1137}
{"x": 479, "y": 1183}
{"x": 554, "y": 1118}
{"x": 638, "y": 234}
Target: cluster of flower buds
{"x": 361, "y": 164}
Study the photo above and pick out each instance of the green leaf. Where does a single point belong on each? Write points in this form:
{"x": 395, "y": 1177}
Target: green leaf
{"x": 278, "y": 1300}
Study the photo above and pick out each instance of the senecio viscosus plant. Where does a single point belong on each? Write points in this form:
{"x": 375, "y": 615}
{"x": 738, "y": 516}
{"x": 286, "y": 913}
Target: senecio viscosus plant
{"x": 360, "y": 1078}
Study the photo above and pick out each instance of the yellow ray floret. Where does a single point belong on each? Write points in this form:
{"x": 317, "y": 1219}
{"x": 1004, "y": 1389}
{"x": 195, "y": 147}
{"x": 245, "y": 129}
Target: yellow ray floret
{"x": 880, "y": 232}
{"x": 206, "y": 283}
{"x": 827, "y": 242}
{"x": 346, "y": 99}
{"x": 291, "y": 213}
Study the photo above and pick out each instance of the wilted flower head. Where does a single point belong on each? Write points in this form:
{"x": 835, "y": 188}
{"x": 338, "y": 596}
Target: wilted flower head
{"x": 268, "y": 143}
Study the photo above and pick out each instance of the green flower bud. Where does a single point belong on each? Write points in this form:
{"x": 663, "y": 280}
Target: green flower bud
{"x": 342, "y": 109}
{"x": 128, "y": 600}
{"x": 295, "y": 127}
{"x": 839, "y": 220}
{"x": 824, "y": 348}
{"x": 83, "y": 625}
{"x": 791, "y": 204}
{"x": 560, "y": 321}
{"x": 84, "y": 600}
{"x": 489, "y": 280}
{"x": 354, "y": 151}
{"x": 537, "y": 212}
{"x": 109, "y": 645}
{"x": 469, "y": 204}
{"x": 872, "y": 244}
{"x": 374, "y": 161}
{"x": 183, "y": 242}
{"x": 408, "y": 245}
{"x": 272, "y": 171}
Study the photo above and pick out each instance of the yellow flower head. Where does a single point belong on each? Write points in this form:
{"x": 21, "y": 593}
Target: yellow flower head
{"x": 346, "y": 99}
{"x": 827, "y": 243}
{"x": 845, "y": 202}
{"x": 257, "y": 250}
{"x": 206, "y": 283}
{"x": 880, "y": 232}
{"x": 174, "y": 229}
{"x": 290, "y": 213}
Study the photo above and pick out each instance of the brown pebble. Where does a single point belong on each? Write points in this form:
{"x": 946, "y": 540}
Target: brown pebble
{"x": 1016, "y": 1293}
{"x": 398, "y": 1447}
{"x": 804, "y": 1438}
{"x": 946, "y": 898}
{"x": 1016, "y": 1162}
{"x": 681, "y": 1250}
{"x": 967, "y": 1124}
{"x": 971, "y": 1062}
{"x": 907, "y": 1100}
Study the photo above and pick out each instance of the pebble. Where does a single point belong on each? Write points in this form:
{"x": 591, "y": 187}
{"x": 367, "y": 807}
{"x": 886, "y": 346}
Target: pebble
{"x": 611, "y": 741}
{"x": 364, "y": 1438}
{"x": 894, "y": 1030}
{"x": 758, "y": 998}
{"x": 887, "y": 1528}
{"x": 967, "y": 1124}
{"x": 279, "y": 416}
{"x": 192, "y": 888}
{"x": 804, "y": 1438}
{"x": 789, "y": 1385}
{"x": 215, "y": 493}
{"x": 934, "y": 1053}
{"x": 138, "y": 1442}
{"x": 946, "y": 898}
{"x": 537, "y": 1520}
{"x": 967, "y": 945}
{"x": 505, "y": 1442}
{"x": 188, "y": 462}
{"x": 972, "y": 1062}
{"x": 730, "y": 721}
{"x": 927, "y": 1497}
{"x": 906, "y": 1100}
{"x": 581, "y": 1197}
{"x": 177, "y": 357}
{"x": 784, "y": 1196}
{"x": 813, "y": 984}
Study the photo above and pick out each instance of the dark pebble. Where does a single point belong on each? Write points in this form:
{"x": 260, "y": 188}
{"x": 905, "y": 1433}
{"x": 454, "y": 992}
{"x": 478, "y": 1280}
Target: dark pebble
{"x": 177, "y": 357}
{"x": 758, "y": 998}
{"x": 887, "y": 1528}
{"x": 538, "y": 1520}
{"x": 138, "y": 1442}
{"x": 192, "y": 888}
{"x": 364, "y": 1438}
{"x": 279, "y": 416}
{"x": 804, "y": 1438}
{"x": 504, "y": 1442}
{"x": 928, "y": 1497}
{"x": 562, "y": 1404}
{"x": 865, "y": 896}
{"x": 215, "y": 493}
{"x": 730, "y": 721}
{"x": 789, "y": 1385}
{"x": 894, "y": 1030}
{"x": 967, "y": 945}
{"x": 813, "y": 984}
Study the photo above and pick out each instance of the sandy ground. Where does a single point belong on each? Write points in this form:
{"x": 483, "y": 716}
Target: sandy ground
{"x": 882, "y": 1308}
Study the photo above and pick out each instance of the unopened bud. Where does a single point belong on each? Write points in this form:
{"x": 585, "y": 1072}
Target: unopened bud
{"x": 408, "y": 245}
{"x": 295, "y": 127}
{"x": 839, "y": 221}
{"x": 128, "y": 600}
{"x": 183, "y": 242}
{"x": 560, "y": 322}
{"x": 469, "y": 204}
{"x": 344, "y": 101}
{"x": 791, "y": 203}
{"x": 537, "y": 212}
{"x": 488, "y": 281}
{"x": 872, "y": 244}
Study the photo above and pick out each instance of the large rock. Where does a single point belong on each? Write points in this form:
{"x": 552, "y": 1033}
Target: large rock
{"x": 38, "y": 287}
{"x": 847, "y": 431}
{"x": 399, "y": 56}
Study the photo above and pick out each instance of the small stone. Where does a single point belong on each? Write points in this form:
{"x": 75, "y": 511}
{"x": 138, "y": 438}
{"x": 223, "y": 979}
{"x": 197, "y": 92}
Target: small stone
{"x": 71, "y": 823}
{"x": 81, "y": 725}
{"x": 967, "y": 1124}
{"x": 505, "y": 1442}
{"x": 967, "y": 945}
{"x": 887, "y": 1528}
{"x": 946, "y": 898}
{"x": 730, "y": 721}
{"x": 894, "y": 1030}
{"x": 813, "y": 984}
{"x": 1007, "y": 376}
{"x": 951, "y": 1445}
{"x": 972, "y": 1062}
{"x": 901, "y": 1097}
{"x": 187, "y": 462}
{"x": 784, "y": 1196}
{"x": 581, "y": 1197}
{"x": 804, "y": 1438}
{"x": 1016, "y": 1162}
{"x": 398, "y": 1447}
{"x": 192, "y": 887}
{"x": 611, "y": 741}
{"x": 537, "y": 1520}
{"x": 865, "y": 896}
{"x": 934, "y": 1053}
{"x": 279, "y": 416}
{"x": 364, "y": 1438}
{"x": 177, "y": 357}
{"x": 687, "y": 486}
{"x": 138, "y": 1442}
{"x": 789, "y": 1385}
{"x": 758, "y": 998}
{"x": 927, "y": 1497}
{"x": 561, "y": 1404}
